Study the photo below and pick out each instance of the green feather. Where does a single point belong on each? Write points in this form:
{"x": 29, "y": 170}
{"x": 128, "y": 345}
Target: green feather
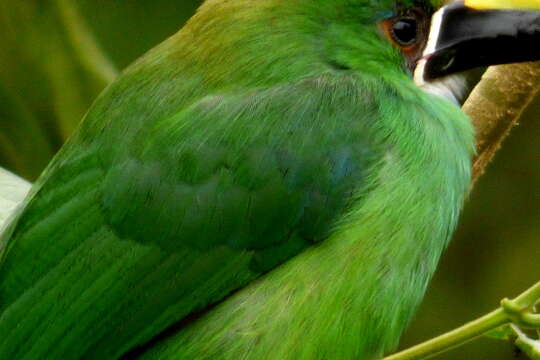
{"x": 351, "y": 296}
{"x": 246, "y": 158}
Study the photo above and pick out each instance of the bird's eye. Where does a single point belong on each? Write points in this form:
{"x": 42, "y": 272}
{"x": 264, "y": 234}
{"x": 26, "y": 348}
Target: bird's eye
{"x": 408, "y": 32}
{"x": 404, "y": 31}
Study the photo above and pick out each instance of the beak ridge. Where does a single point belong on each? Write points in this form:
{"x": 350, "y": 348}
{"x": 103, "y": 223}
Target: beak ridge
{"x": 462, "y": 38}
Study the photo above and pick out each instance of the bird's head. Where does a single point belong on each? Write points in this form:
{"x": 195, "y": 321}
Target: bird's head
{"x": 433, "y": 41}
{"x": 256, "y": 43}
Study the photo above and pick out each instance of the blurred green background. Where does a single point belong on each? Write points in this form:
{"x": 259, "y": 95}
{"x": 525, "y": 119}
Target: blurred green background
{"x": 46, "y": 85}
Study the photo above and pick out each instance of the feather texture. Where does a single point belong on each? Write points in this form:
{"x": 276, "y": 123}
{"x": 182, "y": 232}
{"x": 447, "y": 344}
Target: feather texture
{"x": 202, "y": 169}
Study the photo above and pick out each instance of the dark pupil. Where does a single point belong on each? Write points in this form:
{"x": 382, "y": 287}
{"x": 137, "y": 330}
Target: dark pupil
{"x": 404, "y": 31}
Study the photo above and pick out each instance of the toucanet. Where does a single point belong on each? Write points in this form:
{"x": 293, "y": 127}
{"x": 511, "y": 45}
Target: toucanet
{"x": 275, "y": 181}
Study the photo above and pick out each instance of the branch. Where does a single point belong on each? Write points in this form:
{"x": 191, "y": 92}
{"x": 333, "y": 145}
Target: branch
{"x": 515, "y": 310}
{"x": 495, "y": 107}
{"x": 496, "y": 104}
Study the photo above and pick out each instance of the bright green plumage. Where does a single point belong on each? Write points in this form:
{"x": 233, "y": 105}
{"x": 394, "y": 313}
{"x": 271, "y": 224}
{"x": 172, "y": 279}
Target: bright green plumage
{"x": 262, "y": 131}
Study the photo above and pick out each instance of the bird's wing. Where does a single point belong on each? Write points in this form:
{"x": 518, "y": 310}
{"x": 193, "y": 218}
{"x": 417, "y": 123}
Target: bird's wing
{"x": 111, "y": 250}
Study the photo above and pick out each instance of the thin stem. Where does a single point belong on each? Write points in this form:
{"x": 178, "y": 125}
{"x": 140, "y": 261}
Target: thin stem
{"x": 530, "y": 297}
{"x": 84, "y": 43}
{"x": 470, "y": 331}
{"x": 453, "y": 338}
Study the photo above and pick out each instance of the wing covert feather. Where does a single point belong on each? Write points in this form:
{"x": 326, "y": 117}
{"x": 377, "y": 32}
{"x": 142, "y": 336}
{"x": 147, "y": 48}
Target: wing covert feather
{"x": 114, "y": 248}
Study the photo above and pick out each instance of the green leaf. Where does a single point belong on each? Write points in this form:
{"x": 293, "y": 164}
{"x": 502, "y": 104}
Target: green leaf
{"x": 13, "y": 189}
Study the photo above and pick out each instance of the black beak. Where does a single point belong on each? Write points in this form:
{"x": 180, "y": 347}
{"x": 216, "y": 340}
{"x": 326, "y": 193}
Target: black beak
{"x": 463, "y": 38}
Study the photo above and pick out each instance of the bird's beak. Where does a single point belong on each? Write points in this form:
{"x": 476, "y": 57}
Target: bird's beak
{"x": 472, "y": 33}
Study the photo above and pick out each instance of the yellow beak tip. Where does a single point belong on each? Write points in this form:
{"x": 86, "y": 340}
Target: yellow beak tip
{"x": 503, "y": 4}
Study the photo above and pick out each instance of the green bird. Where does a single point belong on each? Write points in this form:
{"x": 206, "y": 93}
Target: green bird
{"x": 268, "y": 183}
